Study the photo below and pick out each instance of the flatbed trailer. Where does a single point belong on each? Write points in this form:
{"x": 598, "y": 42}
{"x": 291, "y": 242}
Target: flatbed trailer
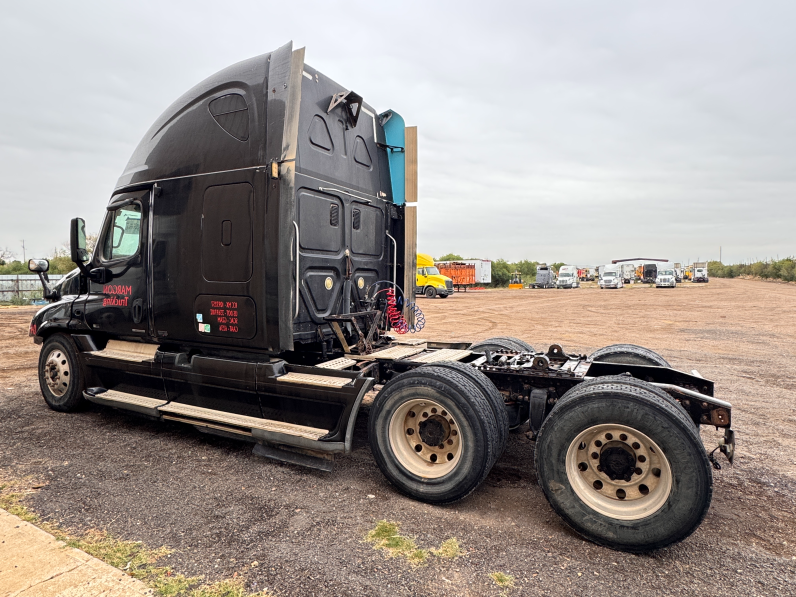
{"x": 248, "y": 282}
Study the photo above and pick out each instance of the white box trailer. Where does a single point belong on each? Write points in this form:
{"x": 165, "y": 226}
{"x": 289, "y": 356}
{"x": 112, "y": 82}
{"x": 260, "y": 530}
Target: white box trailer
{"x": 483, "y": 270}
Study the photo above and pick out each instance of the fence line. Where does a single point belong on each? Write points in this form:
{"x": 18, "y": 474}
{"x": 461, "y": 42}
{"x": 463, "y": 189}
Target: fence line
{"x": 22, "y": 286}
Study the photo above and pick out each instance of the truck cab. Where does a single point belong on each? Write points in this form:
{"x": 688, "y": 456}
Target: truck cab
{"x": 253, "y": 276}
{"x": 430, "y": 282}
{"x": 545, "y": 277}
{"x": 568, "y": 277}
{"x": 611, "y": 277}
{"x": 701, "y": 273}
{"x": 666, "y": 278}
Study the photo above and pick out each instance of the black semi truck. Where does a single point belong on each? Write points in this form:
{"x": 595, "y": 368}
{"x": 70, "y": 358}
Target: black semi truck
{"x": 249, "y": 279}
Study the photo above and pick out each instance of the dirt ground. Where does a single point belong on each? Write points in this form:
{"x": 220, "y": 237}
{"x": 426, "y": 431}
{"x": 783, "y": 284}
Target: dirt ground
{"x": 222, "y": 509}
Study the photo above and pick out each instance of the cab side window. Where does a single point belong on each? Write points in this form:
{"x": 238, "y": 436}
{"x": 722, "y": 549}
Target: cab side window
{"x": 122, "y": 236}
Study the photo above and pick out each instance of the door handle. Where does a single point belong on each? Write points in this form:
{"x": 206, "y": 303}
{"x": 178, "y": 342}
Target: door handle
{"x": 138, "y": 310}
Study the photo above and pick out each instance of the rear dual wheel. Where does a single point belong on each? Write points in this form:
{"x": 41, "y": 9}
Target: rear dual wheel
{"x": 502, "y": 343}
{"x": 624, "y": 465}
{"x": 628, "y": 354}
{"x": 434, "y": 434}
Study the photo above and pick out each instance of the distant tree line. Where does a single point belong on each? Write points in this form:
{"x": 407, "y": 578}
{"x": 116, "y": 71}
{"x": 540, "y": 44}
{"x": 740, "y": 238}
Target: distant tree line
{"x": 502, "y": 270}
{"x": 773, "y": 269}
{"x": 60, "y": 261}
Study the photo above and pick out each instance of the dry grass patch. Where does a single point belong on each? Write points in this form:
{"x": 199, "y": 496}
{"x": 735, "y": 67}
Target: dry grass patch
{"x": 386, "y": 536}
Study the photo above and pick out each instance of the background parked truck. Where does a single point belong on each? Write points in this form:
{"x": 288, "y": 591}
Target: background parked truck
{"x": 568, "y": 277}
{"x": 545, "y": 277}
{"x": 649, "y": 273}
{"x": 430, "y": 281}
{"x": 628, "y": 272}
{"x": 700, "y": 271}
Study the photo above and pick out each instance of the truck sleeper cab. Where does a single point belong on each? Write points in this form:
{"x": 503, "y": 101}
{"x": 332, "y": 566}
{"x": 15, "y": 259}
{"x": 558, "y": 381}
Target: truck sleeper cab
{"x": 568, "y": 277}
{"x": 545, "y": 277}
{"x": 666, "y": 279}
{"x": 249, "y": 280}
{"x": 611, "y": 278}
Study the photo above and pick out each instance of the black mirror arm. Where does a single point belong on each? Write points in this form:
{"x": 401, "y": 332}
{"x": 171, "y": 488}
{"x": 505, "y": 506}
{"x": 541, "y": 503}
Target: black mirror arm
{"x": 49, "y": 293}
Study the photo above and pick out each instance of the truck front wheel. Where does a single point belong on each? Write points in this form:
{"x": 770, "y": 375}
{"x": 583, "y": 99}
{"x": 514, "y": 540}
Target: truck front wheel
{"x": 433, "y": 434}
{"x": 624, "y": 467}
{"x": 60, "y": 378}
{"x": 430, "y": 292}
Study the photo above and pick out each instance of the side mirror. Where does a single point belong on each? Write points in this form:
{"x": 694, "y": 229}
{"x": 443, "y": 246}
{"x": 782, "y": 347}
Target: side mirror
{"x": 38, "y": 265}
{"x": 77, "y": 241}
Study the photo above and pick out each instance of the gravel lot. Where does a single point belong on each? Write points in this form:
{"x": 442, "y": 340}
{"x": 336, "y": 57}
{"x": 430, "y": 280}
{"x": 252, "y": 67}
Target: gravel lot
{"x": 222, "y": 509}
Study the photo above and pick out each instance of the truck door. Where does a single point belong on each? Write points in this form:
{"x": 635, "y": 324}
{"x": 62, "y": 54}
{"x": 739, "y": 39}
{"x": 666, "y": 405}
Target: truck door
{"x": 118, "y": 307}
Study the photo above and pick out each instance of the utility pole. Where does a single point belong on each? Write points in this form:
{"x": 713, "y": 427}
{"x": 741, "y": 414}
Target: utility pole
{"x": 24, "y": 259}
{"x": 720, "y": 254}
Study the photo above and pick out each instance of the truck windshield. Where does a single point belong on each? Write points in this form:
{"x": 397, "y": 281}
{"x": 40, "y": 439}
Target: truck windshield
{"x": 609, "y": 274}
{"x": 666, "y": 272}
{"x": 565, "y": 275}
{"x": 432, "y": 271}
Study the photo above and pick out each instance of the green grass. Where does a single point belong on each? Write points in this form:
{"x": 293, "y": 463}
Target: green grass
{"x": 386, "y": 536}
{"x": 504, "y": 581}
{"x": 132, "y": 557}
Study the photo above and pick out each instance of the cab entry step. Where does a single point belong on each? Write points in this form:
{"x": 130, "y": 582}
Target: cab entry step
{"x": 140, "y": 404}
{"x": 135, "y": 352}
{"x": 196, "y": 415}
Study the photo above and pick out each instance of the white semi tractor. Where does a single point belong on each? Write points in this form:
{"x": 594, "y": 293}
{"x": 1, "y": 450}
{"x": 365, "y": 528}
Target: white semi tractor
{"x": 568, "y": 277}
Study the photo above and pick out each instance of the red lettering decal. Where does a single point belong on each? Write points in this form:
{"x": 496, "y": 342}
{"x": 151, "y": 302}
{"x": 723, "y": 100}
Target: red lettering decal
{"x": 216, "y": 304}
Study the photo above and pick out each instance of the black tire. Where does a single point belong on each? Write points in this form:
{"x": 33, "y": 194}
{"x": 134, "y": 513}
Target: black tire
{"x": 463, "y": 402}
{"x": 444, "y": 295}
{"x": 490, "y": 392}
{"x": 628, "y": 354}
{"x": 430, "y": 292}
{"x": 59, "y": 370}
{"x": 502, "y": 343}
{"x": 639, "y": 407}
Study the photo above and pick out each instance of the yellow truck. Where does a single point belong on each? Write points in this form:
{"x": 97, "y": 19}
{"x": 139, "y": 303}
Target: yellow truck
{"x": 429, "y": 281}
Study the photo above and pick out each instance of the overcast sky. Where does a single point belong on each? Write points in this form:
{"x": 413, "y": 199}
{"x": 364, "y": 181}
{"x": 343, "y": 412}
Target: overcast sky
{"x": 574, "y": 131}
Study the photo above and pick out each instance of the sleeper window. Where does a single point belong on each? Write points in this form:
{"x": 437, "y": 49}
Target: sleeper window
{"x": 124, "y": 235}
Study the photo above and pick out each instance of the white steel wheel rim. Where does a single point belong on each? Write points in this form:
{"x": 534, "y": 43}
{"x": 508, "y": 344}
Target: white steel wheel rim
{"x": 413, "y": 425}
{"x": 650, "y": 482}
{"x": 56, "y": 372}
